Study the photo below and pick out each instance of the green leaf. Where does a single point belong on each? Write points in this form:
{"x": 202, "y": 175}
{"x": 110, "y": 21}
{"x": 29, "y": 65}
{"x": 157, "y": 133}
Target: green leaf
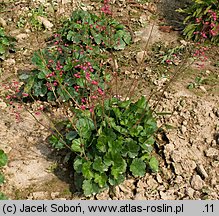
{"x": 115, "y": 146}
{"x": 41, "y": 75}
{"x": 119, "y": 44}
{"x": 2, "y": 178}
{"x": 78, "y": 162}
{"x": 71, "y": 135}
{"x": 89, "y": 188}
{"x": 86, "y": 170}
{"x": 127, "y": 38}
{"x": 77, "y": 145}
{"x": 29, "y": 84}
{"x": 102, "y": 143}
{"x": 50, "y": 96}
{"x": 100, "y": 179}
{"x": 2, "y": 196}
{"x": 154, "y": 164}
{"x": 63, "y": 94}
{"x": 138, "y": 167}
{"x": 3, "y": 158}
{"x": 39, "y": 89}
{"x": 98, "y": 165}
{"x": 2, "y": 49}
{"x": 97, "y": 38}
{"x": 131, "y": 148}
{"x": 107, "y": 159}
{"x": 37, "y": 59}
{"x": 85, "y": 127}
{"x": 24, "y": 76}
{"x": 117, "y": 181}
{"x": 119, "y": 167}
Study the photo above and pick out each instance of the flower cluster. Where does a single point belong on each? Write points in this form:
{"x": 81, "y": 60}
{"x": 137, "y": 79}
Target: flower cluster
{"x": 106, "y": 8}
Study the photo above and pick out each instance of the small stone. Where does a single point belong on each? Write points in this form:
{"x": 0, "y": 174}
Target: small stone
{"x": 201, "y": 171}
{"x": 141, "y": 56}
{"x": 3, "y": 105}
{"x": 41, "y": 195}
{"x": 152, "y": 183}
{"x": 183, "y": 42}
{"x": 10, "y": 61}
{"x": 178, "y": 179}
{"x": 47, "y": 24}
{"x": 203, "y": 88}
{"x": 185, "y": 123}
{"x": 207, "y": 72}
{"x": 22, "y": 36}
{"x": 190, "y": 192}
{"x": 159, "y": 179}
{"x": 168, "y": 195}
{"x": 2, "y": 22}
{"x": 211, "y": 152}
{"x": 161, "y": 188}
{"x": 197, "y": 183}
{"x": 216, "y": 111}
{"x": 177, "y": 168}
{"x": 183, "y": 129}
{"x": 54, "y": 195}
{"x": 140, "y": 196}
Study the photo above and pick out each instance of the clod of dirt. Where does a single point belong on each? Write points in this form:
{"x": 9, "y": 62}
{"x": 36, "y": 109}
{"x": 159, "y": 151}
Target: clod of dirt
{"x": 211, "y": 152}
{"x": 47, "y": 24}
{"x": 197, "y": 183}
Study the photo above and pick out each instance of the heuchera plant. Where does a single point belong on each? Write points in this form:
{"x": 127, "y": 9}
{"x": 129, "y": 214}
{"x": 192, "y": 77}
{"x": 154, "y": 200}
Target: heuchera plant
{"x": 70, "y": 69}
{"x": 202, "y": 20}
{"x": 114, "y": 140}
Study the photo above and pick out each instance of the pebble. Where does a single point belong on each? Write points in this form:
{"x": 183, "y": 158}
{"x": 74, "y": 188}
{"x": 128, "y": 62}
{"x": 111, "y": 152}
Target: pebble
{"x": 140, "y": 56}
{"x": 168, "y": 195}
{"x": 2, "y": 22}
{"x": 183, "y": 129}
{"x": 211, "y": 152}
{"x": 47, "y": 24}
{"x": 201, "y": 171}
{"x": 178, "y": 179}
{"x": 159, "y": 178}
{"x": 197, "y": 183}
{"x": 22, "y": 36}
{"x": 190, "y": 192}
{"x": 214, "y": 143}
{"x": 152, "y": 183}
{"x": 203, "y": 88}
{"x": 3, "y": 105}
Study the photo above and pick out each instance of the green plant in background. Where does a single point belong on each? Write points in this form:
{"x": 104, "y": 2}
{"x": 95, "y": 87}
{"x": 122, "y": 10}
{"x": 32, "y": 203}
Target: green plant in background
{"x": 3, "y": 162}
{"x": 96, "y": 32}
{"x": 198, "y": 82}
{"x": 70, "y": 69}
{"x": 116, "y": 139}
{"x": 202, "y": 20}
{"x": 168, "y": 55}
{"x": 31, "y": 18}
{"x": 6, "y": 44}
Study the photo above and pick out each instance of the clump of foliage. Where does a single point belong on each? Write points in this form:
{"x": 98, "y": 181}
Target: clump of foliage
{"x": 6, "y": 44}
{"x": 71, "y": 66}
{"x": 30, "y": 18}
{"x": 202, "y": 20}
{"x": 3, "y": 162}
{"x": 107, "y": 138}
{"x": 116, "y": 139}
